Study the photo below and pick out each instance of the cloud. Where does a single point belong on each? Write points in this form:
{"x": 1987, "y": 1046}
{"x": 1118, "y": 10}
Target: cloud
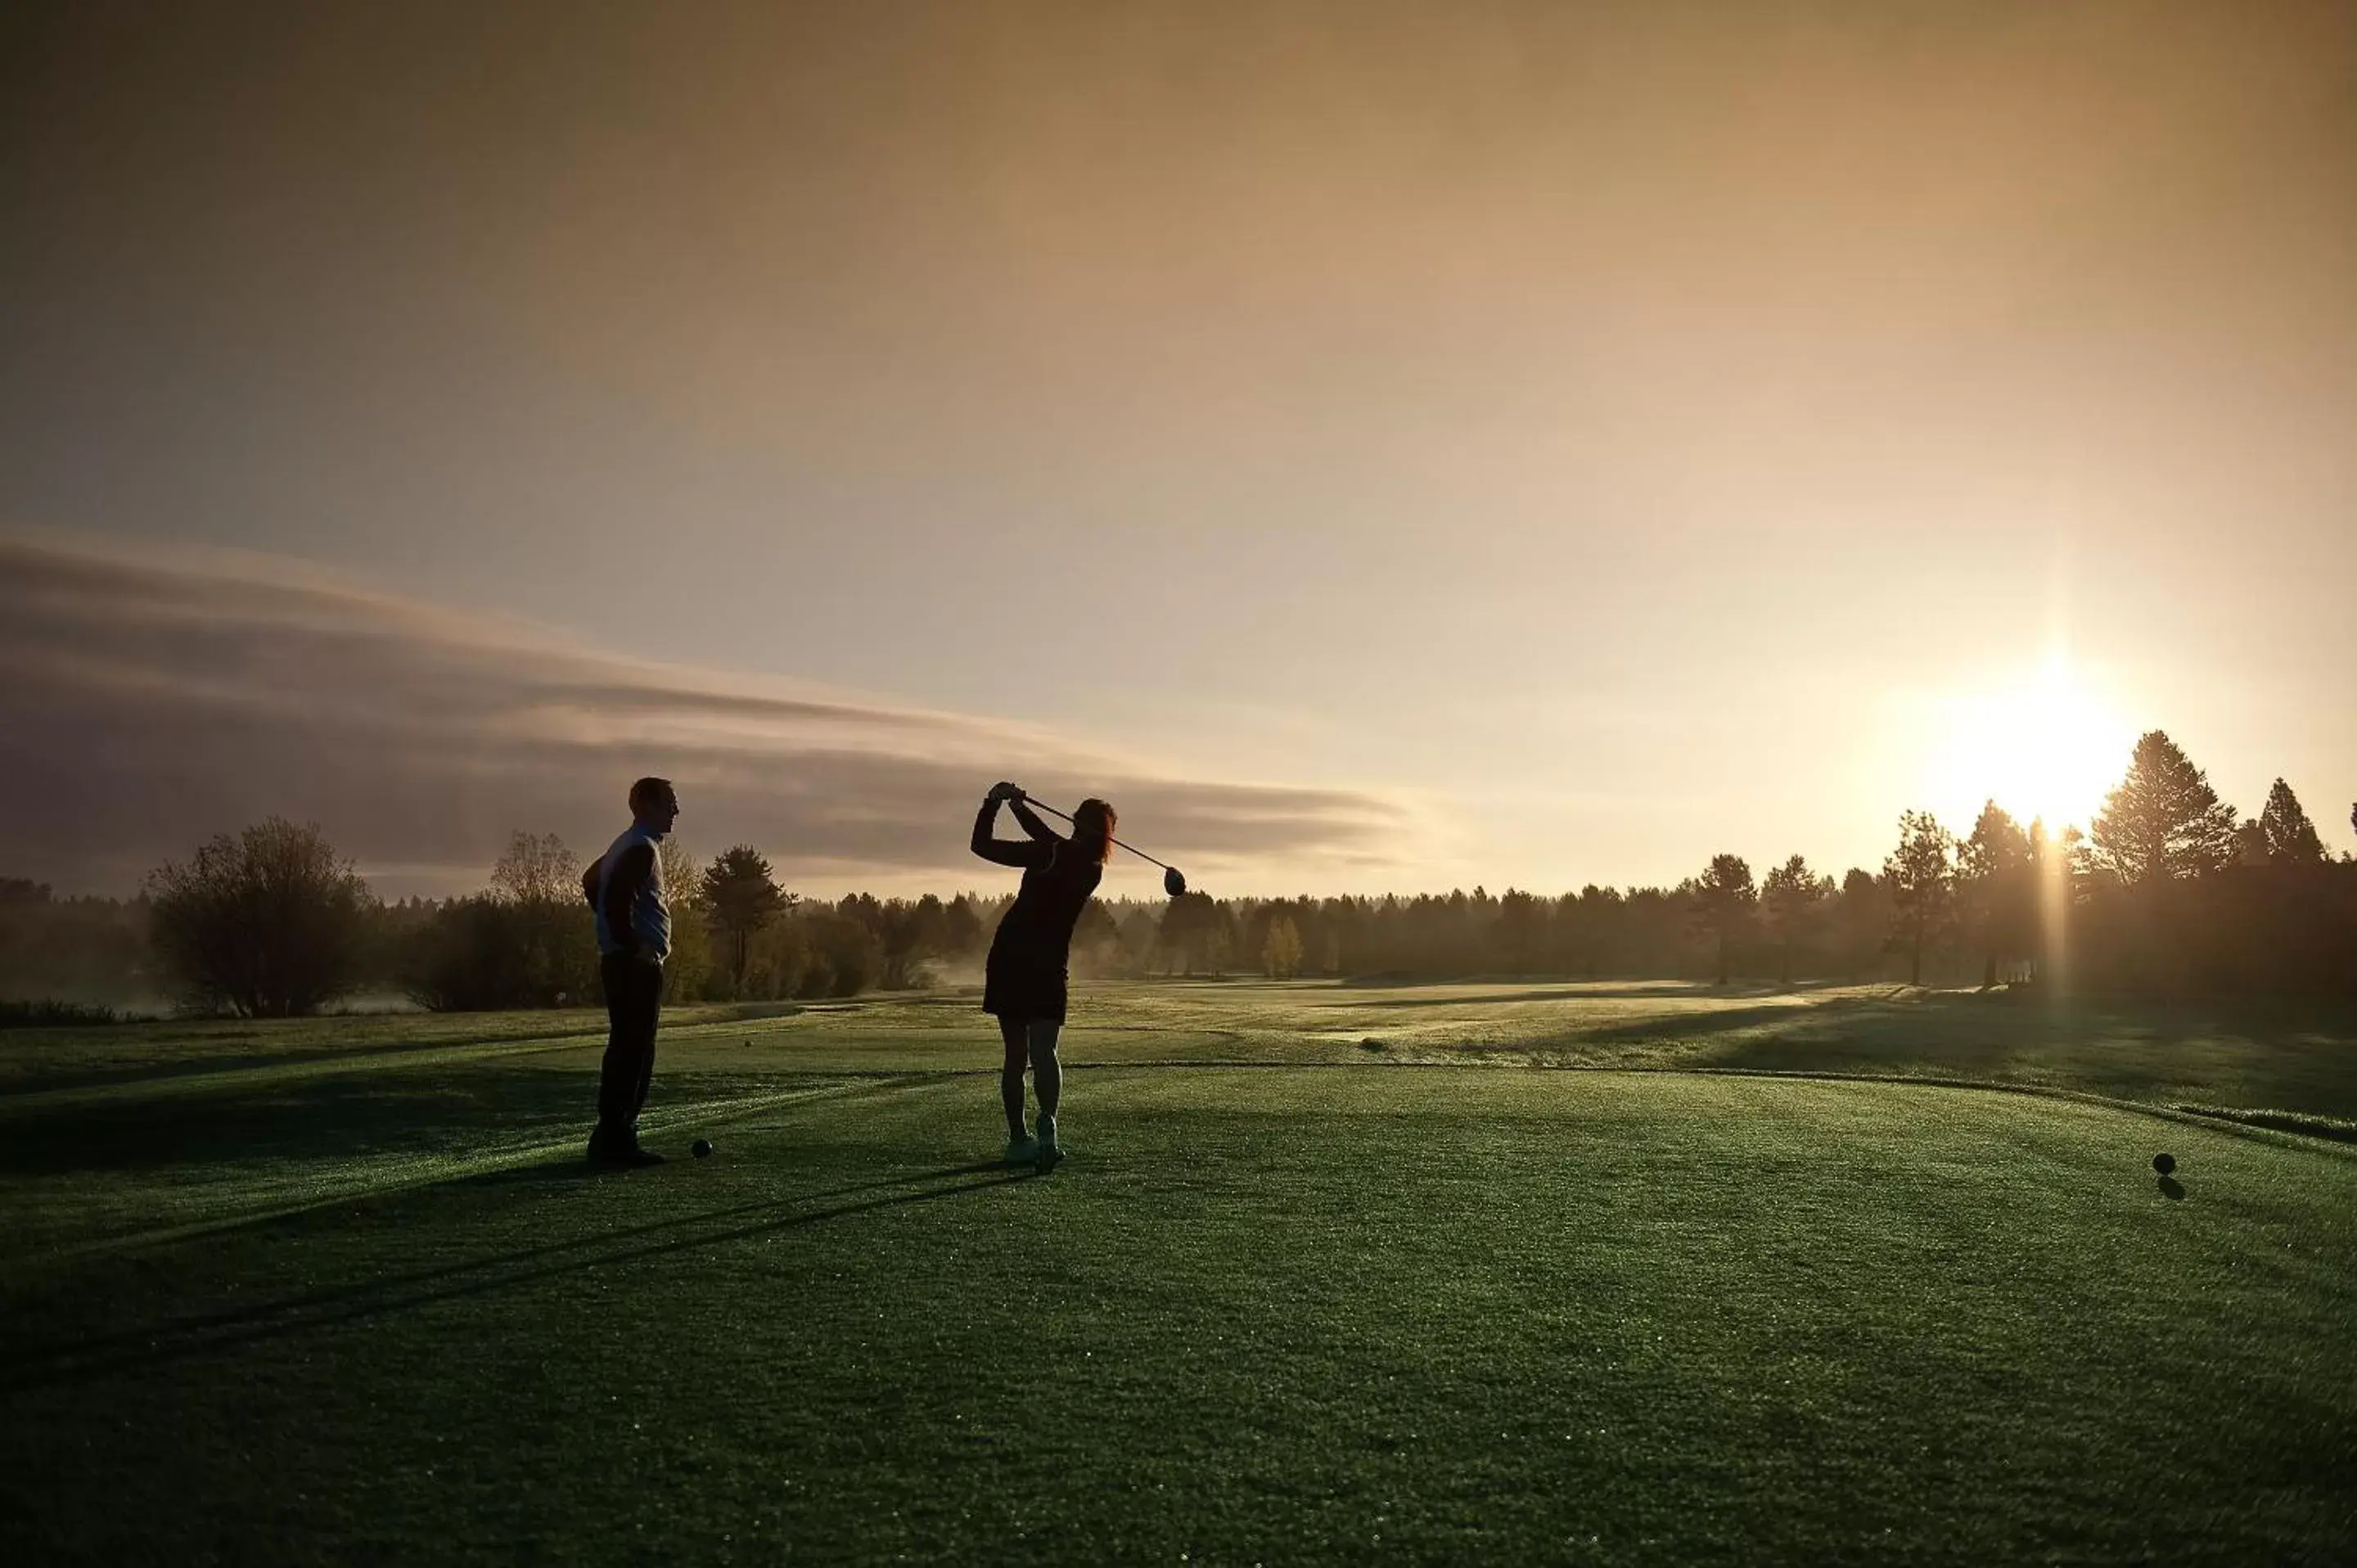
{"x": 149, "y": 700}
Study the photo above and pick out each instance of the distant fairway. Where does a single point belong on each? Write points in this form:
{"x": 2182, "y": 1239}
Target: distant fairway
{"x": 341, "y": 1290}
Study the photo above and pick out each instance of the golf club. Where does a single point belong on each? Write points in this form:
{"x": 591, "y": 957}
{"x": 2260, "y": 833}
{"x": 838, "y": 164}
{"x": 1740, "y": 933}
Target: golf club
{"x": 1174, "y": 881}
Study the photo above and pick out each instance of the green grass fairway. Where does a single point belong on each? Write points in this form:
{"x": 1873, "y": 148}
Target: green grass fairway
{"x": 1295, "y": 1297}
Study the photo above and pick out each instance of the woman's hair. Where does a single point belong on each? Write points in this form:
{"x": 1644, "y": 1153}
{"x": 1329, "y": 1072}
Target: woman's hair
{"x": 1092, "y": 826}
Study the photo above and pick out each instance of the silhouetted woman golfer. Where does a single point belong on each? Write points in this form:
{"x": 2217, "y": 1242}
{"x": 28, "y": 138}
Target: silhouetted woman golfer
{"x": 1024, "y": 983}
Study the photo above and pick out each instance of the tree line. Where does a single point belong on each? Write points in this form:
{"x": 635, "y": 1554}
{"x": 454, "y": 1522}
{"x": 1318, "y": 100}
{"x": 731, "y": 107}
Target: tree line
{"x": 2168, "y": 891}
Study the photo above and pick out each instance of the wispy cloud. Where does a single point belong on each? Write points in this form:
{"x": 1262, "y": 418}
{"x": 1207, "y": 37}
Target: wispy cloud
{"x": 148, "y": 700}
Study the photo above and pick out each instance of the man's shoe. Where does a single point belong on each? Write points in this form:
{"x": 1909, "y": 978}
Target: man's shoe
{"x": 623, "y": 1158}
{"x": 1049, "y": 1149}
{"x": 1020, "y": 1152}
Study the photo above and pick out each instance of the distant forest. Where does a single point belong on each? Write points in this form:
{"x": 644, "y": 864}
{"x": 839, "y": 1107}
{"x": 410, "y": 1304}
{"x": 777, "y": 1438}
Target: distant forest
{"x": 2169, "y": 893}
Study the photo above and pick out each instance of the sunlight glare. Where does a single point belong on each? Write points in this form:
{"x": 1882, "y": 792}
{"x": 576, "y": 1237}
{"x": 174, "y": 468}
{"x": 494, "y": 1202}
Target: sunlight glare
{"x": 2046, "y": 744}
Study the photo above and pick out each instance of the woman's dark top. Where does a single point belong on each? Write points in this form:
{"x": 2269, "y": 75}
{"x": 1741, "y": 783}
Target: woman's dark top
{"x": 1025, "y": 976}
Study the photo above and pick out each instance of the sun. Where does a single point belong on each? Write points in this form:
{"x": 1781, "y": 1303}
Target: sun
{"x": 2046, "y": 744}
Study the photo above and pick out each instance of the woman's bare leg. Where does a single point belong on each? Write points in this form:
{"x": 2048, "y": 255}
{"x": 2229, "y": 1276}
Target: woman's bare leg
{"x": 1046, "y": 1072}
{"x": 1011, "y": 1034}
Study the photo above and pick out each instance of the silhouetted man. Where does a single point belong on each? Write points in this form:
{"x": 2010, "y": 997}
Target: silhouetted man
{"x": 625, "y": 887}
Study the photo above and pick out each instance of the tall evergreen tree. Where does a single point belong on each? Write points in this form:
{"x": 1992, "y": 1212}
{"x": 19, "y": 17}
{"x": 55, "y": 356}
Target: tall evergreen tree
{"x": 1994, "y": 889}
{"x": 961, "y": 926}
{"x": 1791, "y": 899}
{"x": 1720, "y": 902}
{"x": 2049, "y": 887}
{"x": 1190, "y": 927}
{"x": 2290, "y": 837}
{"x": 1921, "y": 887}
{"x": 742, "y": 896}
{"x": 2164, "y": 820}
{"x": 1861, "y": 922}
{"x": 1519, "y": 935}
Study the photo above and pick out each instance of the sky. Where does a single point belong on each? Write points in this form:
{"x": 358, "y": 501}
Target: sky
{"x": 1381, "y": 447}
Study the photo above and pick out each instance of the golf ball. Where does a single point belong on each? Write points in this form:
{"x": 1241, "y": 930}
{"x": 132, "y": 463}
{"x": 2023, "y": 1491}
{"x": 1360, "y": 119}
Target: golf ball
{"x": 2164, "y": 1163}
{"x": 701, "y": 1147}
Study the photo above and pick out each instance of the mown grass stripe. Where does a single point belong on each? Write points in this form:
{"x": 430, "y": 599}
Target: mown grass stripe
{"x": 391, "y": 1174}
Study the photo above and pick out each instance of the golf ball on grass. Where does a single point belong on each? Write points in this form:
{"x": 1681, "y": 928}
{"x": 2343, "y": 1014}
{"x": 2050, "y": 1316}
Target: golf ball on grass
{"x": 700, "y": 1148}
{"x": 2164, "y": 1163}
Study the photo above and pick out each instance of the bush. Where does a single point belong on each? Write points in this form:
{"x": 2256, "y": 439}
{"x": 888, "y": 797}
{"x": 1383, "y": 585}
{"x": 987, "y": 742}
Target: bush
{"x": 846, "y": 957}
{"x": 809, "y": 953}
{"x": 270, "y": 924}
{"x": 487, "y": 953}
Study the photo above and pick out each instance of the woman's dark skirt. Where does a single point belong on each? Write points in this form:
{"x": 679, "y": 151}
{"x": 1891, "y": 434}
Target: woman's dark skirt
{"x": 1017, "y": 985}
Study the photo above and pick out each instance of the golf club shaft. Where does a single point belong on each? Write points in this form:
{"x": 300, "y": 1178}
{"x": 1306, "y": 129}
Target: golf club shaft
{"x": 1051, "y": 810}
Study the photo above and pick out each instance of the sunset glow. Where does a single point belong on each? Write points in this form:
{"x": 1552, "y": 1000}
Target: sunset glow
{"x": 2049, "y": 743}
{"x": 1391, "y": 448}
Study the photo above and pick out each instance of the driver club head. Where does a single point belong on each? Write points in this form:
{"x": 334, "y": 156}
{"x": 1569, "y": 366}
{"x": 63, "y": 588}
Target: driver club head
{"x": 1172, "y": 882}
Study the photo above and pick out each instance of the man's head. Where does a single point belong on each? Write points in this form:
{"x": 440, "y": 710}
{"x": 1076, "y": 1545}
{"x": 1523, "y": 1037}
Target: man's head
{"x": 654, "y": 803}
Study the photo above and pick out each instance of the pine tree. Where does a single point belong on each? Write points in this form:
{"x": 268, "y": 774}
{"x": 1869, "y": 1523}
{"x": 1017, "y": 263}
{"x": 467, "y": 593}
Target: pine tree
{"x": 742, "y": 897}
{"x": 2164, "y": 820}
{"x": 1994, "y": 888}
{"x": 1189, "y": 929}
{"x": 1859, "y": 921}
{"x": 1921, "y": 887}
{"x": 1719, "y": 902}
{"x": 2050, "y": 886}
{"x": 2290, "y": 837}
{"x": 1791, "y": 897}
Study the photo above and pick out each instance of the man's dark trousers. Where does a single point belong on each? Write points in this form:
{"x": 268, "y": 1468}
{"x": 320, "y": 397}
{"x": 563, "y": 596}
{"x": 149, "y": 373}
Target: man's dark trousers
{"x": 633, "y": 996}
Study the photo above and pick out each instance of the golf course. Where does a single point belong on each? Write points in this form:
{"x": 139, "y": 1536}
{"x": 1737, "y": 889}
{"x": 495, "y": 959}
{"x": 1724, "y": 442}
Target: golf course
{"x": 1576, "y": 1273}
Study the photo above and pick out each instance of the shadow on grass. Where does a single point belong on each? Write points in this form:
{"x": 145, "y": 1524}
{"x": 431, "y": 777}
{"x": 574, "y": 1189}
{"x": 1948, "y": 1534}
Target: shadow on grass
{"x": 100, "y": 1355}
{"x": 2338, "y": 1129}
{"x": 1731, "y": 1020}
{"x": 2263, "y": 1055}
{"x": 401, "y": 1111}
{"x": 2286, "y": 1053}
{"x": 203, "y": 1065}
